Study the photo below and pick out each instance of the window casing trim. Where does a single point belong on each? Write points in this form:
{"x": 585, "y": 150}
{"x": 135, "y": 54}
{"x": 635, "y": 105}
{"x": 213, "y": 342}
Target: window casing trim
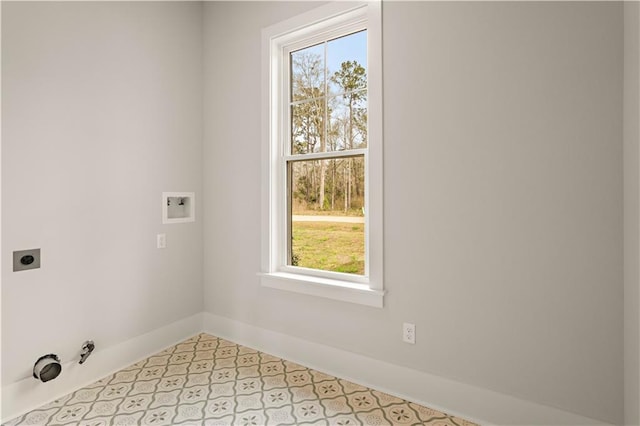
{"x": 328, "y": 21}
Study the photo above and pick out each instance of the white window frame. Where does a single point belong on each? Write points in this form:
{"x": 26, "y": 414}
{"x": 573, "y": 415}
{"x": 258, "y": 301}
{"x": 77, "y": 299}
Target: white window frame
{"x": 277, "y": 41}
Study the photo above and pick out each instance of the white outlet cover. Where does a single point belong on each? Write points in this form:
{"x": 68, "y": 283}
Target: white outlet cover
{"x": 409, "y": 333}
{"x": 161, "y": 240}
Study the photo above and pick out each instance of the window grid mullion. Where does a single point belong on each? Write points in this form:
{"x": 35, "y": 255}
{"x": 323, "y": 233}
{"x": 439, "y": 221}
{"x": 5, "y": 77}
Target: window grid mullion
{"x": 326, "y": 100}
{"x": 328, "y": 155}
{"x": 308, "y": 100}
{"x": 285, "y": 256}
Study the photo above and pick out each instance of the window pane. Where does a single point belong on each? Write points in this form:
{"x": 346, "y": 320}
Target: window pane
{"x": 327, "y": 214}
{"x": 307, "y": 73}
{"x": 347, "y": 63}
{"x": 348, "y": 121}
{"x": 307, "y": 127}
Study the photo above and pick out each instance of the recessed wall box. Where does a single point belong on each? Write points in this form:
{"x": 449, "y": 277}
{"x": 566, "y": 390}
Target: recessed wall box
{"x": 178, "y": 207}
{"x": 26, "y": 259}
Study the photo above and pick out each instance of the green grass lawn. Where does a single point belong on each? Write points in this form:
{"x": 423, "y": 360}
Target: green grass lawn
{"x": 329, "y": 246}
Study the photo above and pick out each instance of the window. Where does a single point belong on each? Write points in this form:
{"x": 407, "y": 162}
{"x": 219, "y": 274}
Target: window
{"x": 322, "y": 176}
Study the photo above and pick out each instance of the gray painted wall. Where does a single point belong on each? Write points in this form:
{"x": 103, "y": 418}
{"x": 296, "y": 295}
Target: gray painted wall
{"x": 632, "y": 212}
{"x": 503, "y": 196}
{"x": 101, "y": 112}
{"x": 503, "y": 185}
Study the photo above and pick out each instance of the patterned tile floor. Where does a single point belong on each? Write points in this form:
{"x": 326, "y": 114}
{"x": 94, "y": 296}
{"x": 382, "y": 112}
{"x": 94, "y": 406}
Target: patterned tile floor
{"x": 210, "y": 381}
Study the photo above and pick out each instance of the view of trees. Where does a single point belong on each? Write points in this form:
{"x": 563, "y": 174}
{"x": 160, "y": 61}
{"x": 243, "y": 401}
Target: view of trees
{"x": 328, "y": 113}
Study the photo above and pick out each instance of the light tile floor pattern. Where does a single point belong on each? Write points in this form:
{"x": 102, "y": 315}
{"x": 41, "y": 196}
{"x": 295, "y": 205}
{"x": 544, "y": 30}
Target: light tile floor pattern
{"x": 210, "y": 381}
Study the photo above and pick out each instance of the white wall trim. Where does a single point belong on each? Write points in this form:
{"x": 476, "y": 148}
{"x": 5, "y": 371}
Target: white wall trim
{"x": 631, "y": 173}
{"x": 479, "y": 405}
{"x": 330, "y": 20}
{"x": 322, "y": 287}
{"x": 27, "y": 394}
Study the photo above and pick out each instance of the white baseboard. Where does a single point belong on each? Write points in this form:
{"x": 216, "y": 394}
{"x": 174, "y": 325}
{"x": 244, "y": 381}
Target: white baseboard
{"x": 28, "y": 394}
{"x": 469, "y": 402}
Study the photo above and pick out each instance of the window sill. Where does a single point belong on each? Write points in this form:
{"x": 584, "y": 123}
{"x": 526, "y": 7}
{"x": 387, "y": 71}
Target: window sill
{"x": 323, "y": 287}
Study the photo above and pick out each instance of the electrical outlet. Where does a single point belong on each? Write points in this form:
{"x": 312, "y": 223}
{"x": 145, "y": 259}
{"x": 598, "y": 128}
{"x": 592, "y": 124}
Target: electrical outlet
{"x": 26, "y": 259}
{"x": 409, "y": 333}
{"x": 161, "y": 241}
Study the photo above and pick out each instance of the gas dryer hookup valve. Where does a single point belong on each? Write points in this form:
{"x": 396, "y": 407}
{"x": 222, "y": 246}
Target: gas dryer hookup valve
{"x": 87, "y": 349}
